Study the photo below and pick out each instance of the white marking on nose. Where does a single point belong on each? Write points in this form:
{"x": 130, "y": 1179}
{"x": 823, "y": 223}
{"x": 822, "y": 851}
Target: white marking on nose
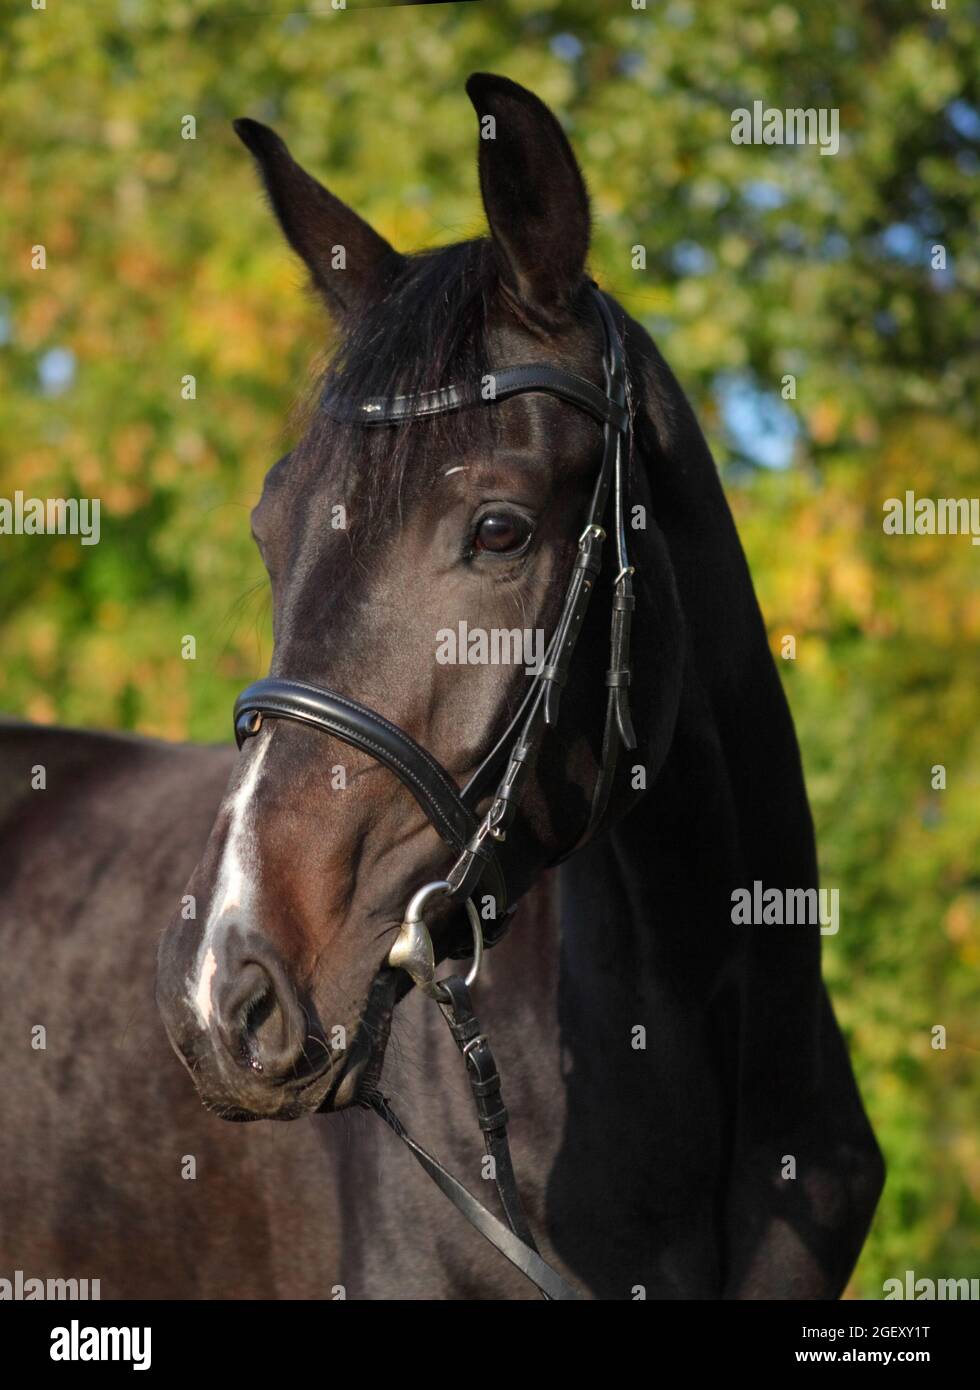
{"x": 202, "y": 998}
{"x": 460, "y": 468}
{"x": 234, "y": 884}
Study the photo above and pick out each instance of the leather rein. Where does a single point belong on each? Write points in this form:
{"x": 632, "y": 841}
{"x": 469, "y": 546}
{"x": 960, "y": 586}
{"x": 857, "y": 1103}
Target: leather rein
{"x": 501, "y": 774}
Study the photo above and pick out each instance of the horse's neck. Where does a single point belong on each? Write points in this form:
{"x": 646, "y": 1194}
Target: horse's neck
{"x": 613, "y": 959}
{"x": 592, "y": 1007}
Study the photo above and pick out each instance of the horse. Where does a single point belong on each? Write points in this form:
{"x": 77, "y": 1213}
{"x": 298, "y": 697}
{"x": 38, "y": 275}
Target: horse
{"x": 682, "y": 1109}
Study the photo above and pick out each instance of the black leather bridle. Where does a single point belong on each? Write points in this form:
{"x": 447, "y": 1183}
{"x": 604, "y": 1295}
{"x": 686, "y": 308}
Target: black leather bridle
{"x": 502, "y": 773}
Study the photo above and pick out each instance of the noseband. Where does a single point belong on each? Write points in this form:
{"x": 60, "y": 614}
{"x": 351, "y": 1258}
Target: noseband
{"x": 502, "y": 773}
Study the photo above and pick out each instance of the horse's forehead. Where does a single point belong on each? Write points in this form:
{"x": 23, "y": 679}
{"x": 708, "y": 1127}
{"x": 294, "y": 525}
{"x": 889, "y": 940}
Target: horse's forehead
{"x": 346, "y": 487}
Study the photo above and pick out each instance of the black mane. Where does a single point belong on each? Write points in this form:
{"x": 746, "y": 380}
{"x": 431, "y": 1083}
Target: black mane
{"x": 429, "y": 330}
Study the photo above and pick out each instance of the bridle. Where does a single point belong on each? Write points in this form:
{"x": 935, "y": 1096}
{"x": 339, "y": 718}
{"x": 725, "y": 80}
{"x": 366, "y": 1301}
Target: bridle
{"x": 451, "y": 811}
{"x": 502, "y": 772}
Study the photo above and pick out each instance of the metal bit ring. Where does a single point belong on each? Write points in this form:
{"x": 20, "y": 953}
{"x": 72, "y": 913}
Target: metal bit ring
{"x": 413, "y": 951}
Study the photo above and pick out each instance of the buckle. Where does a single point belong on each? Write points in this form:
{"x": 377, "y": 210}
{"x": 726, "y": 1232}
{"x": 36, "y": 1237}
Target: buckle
{"x": 592, "y": 531}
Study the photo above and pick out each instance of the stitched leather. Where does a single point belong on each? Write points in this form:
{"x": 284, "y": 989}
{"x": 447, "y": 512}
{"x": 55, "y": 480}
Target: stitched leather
{"x": 363, "y": 728}
{"x": 507, "y": 382}
{"x": 518, "y": 1242}
{"x": 520, "y": 1254}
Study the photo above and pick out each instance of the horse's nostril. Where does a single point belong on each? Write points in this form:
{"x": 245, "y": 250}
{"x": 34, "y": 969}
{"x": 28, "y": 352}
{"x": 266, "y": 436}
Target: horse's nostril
{"x": 259, "y": 995}
{"x": 265, "y": 1029}
{"x": 259, "y": 1019}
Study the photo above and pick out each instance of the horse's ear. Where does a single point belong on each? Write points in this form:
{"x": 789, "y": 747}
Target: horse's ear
{"x": 534, "y": 195}
{"x": 350, "y": 263}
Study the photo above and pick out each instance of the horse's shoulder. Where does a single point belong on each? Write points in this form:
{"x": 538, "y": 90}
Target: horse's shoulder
{"x": 74, "y": 762}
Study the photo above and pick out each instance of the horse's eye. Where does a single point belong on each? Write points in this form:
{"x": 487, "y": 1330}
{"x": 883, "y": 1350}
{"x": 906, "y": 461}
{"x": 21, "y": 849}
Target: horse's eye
{"x": 504, "y": 533}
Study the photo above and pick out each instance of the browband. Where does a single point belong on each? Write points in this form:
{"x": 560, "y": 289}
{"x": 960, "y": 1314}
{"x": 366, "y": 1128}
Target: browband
{"x": 499, "y": 386}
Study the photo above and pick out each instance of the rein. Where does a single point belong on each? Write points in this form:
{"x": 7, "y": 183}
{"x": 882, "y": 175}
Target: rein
{"x": 452, "y": 811}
